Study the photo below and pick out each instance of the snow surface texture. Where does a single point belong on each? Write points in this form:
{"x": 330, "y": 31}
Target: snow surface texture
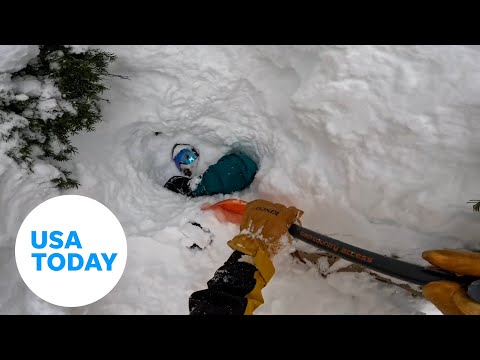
{"x": 78, "y": 49}
{"x": 377, "y": 144}
{"x": 16, "y": 57}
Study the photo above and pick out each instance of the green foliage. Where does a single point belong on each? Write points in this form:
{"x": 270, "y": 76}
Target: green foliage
{"x": 476, "y": 204}
{"x": 69, "y": 105}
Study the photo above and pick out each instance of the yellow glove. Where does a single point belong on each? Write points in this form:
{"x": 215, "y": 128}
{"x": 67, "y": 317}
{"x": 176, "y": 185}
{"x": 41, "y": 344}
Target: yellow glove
{"x": 449, "y": 297}
{"x": 263, "y": 233}
{"x": 267, "y": 224}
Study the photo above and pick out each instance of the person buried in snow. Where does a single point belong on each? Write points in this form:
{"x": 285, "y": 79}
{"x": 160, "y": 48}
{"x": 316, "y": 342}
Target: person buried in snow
{"x": 234, "y": 171}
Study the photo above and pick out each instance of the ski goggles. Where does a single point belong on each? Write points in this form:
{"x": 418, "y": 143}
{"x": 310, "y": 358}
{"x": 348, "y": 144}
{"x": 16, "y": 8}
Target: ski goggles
{"x": 185, "y": 158}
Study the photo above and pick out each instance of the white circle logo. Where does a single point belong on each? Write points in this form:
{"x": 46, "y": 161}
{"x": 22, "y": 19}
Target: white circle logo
{"x": 71, "y": 250}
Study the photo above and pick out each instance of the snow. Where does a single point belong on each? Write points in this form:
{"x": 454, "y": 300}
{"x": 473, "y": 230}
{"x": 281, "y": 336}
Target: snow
{"x": 50, "y": 102}
{"x": 21, "y": 97}
{"x": 15, "y": 57}
{"x": 378, "y": 145}
{"x": 78, "y": 49}
{"x": 29, "y": 85}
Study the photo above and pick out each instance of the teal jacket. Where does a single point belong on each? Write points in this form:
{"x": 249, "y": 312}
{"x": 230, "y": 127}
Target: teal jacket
{"x": 232, "y": 172}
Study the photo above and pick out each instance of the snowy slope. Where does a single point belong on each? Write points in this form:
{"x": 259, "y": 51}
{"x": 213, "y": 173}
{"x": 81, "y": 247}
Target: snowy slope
{"x": 377, "y": 144}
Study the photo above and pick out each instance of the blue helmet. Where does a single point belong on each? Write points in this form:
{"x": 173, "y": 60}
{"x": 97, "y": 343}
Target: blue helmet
{"x": 186, "y": 158}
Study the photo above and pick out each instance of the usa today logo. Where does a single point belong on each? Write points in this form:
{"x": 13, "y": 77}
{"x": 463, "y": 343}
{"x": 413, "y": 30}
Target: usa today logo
{"x": 71, "y": 250}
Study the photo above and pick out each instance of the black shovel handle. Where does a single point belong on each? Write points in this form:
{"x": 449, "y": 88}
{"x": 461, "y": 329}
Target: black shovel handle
{"x": 402, "y": 270}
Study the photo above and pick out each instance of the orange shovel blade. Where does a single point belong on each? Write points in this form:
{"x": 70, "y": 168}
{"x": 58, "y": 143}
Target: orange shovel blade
{"x": 230, "y": 210}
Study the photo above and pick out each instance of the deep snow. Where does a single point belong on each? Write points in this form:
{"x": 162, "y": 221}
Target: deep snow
{"x": 377, "y": 144}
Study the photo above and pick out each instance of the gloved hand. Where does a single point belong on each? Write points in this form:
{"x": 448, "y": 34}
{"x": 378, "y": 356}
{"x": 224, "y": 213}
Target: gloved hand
{"x": 264, "y": 231}
{"x": 265, "y": 226}
{"x": 179, "y": 184}
{"x": 449, "y": 297}
{"x": 236, "y": 287}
